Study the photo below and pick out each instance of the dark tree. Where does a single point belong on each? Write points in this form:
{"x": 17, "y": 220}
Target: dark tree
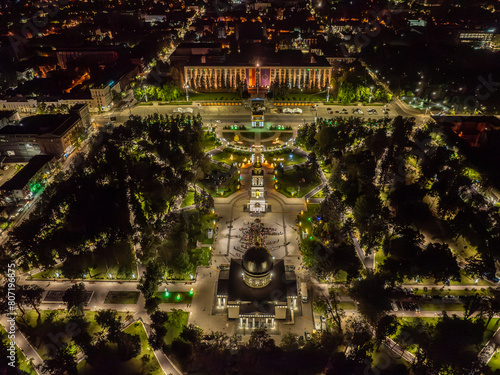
{"x": 386, "y": 326}
{"x": 438, "y": 261}
{"x": 112, "y": 322}
{"x": 62, "y": 362}
{"x": 129, "y": 346}
{"x": 289, "y": 342}
{"x": 192, "y": 334}
{"x": 76, "y": 298}
{"x": 372, "y": 296}
{"x": 261, "y": 340}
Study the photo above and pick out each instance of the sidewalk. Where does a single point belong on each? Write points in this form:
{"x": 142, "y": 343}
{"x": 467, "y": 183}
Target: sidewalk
{"x": 23, "y": 344}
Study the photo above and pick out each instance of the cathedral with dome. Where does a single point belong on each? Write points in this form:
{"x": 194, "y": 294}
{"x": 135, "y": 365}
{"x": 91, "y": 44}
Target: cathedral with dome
{"x": 257, "y": 290}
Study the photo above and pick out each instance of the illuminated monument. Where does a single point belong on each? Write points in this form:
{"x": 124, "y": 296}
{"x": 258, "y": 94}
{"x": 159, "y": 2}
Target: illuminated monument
{"x": 257, "y": 192}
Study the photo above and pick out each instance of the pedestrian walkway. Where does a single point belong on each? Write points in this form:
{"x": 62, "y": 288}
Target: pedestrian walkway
{"x": 23, "y": 345}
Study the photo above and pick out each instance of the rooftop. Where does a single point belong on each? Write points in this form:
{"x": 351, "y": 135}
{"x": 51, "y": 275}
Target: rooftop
{"x": 282, "y": 285}
{"x": 257, "y": 260}
{"x": 23, "y": 177}
{"x": 264, "y": 57}
{"x": 7, "y": 114}
{"x": 42, "y": 124}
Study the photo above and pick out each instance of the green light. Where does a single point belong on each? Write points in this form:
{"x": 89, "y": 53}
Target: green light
{"x": 178, "y": 297}
{"x": 34, "y": 187}
{"x": 311, "y": 237}
{"x": 309, "y": 219}
{"x": 167, "y": 293}
{"x": 191, "y": 292}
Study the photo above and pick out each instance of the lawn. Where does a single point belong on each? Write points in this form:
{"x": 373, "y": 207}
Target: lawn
{"x": 23, "y": 364}
{"x": 232, "y": 156}
{"x": 463, "y": 292}
{"x": 249, "y": 135}
{"x": 347, "y": 305}
{"x": 204, "y": 254}
{"x": 491, "y": 329}
{"x": 301, "y": 96}
{"x": 175, "y": 297}
{"x": 214, "y": 96}
{"x": 412, "y": 348}
{"x": 494, "y": 363}
{"x": 286, "y": 157}
{"x": 305, "y": 219}
{"x": 297, "y": 182}
{"x": 176, "y": 103}
{"x": 463, "y": 281}
{"x": 379, "y": 258}
{"x": 440, "y": 306}
{"x": 285, "y": 136}
{"x": 174, "y": 331}
{"x": 326, "y": 169}
{"x": 210, "y": 141}
{"x": 144, "y": 363}
{"x": 229, "y": 181}
{"x": 119, "y": 297}
{"x": 200, "y": 227}
{"x": 152, "y": 367}
{"x": 53, "y": 323}
{"x": 188, "y": 199}
{"x": 266, "y": 134}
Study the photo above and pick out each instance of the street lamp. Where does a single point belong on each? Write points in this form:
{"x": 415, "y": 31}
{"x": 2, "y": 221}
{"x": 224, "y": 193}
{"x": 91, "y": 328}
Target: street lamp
{"x": 371, "y": 93}
{"x": 187, "y": 93}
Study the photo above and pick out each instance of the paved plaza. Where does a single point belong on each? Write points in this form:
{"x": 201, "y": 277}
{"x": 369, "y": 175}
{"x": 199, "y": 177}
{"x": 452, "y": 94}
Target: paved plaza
{"x": 282, "y": 243}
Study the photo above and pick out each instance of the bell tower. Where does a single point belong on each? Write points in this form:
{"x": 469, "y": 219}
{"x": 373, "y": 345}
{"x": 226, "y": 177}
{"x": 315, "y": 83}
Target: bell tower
{"x": 257, "y": 193}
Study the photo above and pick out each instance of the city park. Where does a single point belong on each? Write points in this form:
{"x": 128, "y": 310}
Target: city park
{"x": 191, "y": 225}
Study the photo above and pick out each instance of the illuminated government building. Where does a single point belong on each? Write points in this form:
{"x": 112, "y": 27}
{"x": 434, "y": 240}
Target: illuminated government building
{"x": 207, "y": 66}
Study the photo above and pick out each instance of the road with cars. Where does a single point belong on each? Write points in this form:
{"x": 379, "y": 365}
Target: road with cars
{"x": 272, "y": 116}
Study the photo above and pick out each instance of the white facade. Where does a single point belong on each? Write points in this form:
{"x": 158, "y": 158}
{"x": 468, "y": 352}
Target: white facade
{"x": 257, "y": 192}
{"x": 101, "y": 97}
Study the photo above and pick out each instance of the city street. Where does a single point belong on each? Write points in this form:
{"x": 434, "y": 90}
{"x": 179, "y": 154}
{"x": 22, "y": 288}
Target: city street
{"x": 227, "y": 115}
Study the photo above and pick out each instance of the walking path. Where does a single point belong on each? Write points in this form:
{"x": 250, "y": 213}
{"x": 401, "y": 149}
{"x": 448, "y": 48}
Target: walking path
{"x": 24, "y": 345}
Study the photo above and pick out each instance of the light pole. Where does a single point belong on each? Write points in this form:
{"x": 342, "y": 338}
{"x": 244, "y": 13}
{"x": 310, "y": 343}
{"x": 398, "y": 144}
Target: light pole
{"x": 328, "y": 94}
{"x": 371, "y": 93}
{"x": 187, "y": 93}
